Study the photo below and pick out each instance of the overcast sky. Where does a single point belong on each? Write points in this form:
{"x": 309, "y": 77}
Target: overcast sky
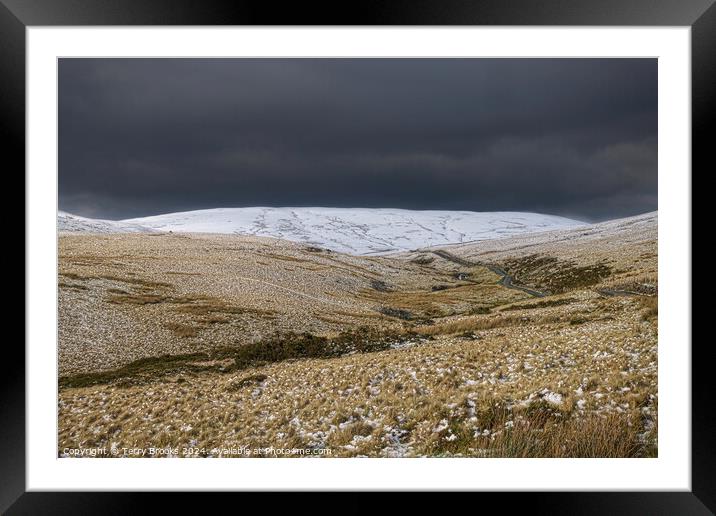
{"x": 573, "y": 137}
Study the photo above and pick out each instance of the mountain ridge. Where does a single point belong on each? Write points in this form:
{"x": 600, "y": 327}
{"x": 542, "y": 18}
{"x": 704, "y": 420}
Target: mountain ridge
{"x": 357, "y": 230}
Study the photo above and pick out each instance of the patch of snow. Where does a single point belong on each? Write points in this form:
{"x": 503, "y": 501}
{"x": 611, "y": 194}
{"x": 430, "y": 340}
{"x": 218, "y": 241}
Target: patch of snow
{"x": 552, "y": 397}
{"x": 441, "y": 426}
{"x": 394, "y": 437}
{"x": 357, "y": 439}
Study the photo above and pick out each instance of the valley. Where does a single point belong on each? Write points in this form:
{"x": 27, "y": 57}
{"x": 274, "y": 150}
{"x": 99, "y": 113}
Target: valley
{"x": 540, "y": 340}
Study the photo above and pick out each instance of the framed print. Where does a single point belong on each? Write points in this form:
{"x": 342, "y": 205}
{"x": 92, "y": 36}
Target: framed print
{"x": 423, "y": 248}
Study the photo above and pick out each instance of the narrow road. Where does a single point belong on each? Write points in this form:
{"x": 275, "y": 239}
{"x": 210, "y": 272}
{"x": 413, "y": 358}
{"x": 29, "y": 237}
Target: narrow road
{"x": 505, "y": 279}
{"x": 452, "y": 258}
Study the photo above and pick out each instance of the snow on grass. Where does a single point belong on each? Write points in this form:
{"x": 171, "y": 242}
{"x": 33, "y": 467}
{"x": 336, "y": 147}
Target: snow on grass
{"x": 551, "y": 397}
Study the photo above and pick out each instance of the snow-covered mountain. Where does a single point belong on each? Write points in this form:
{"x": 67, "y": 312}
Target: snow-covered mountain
{"x": 75, "y": 223}
{"x": 357, "y": 230}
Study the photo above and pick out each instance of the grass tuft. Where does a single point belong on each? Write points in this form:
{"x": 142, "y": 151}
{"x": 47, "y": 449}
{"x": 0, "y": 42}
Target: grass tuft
{"x": 399, "y": 313}
{"x": 247, "y": 381}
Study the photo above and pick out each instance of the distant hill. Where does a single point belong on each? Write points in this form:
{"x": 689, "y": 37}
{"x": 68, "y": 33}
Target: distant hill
{"x": 358, "y": 230}
{"x": 74, "y": 223}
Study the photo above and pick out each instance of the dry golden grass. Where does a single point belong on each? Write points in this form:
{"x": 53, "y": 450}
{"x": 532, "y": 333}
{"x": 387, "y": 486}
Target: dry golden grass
{"x": 474, "y": 323}
{"x": 639, "y": 283}
{"x": 486, "y": 395}
{"x": 207, "y": 343}
{"x": 651, "y": 307}
{"x": 122, "y": 300}
{"x": 605, "y": 436}
{"x": 181, "y": 330}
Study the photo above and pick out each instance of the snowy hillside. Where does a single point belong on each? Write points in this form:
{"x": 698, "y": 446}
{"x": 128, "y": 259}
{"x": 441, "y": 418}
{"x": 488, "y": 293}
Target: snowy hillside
{"x": 74, "y": 223}
{"x": 358, "y": 230}
{"x": 613, "y": 237}
{"x": 629, "y": 229}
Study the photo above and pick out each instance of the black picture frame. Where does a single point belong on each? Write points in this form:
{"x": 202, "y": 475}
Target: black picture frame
{"x": 700, "y": 15}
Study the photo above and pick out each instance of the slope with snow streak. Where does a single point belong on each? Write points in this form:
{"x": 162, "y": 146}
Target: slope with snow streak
{"x": 358, "y": 230}
{"x": 76, "y": 224}
{"x": 624, "y": 245}
{"x": 618, "y": 232}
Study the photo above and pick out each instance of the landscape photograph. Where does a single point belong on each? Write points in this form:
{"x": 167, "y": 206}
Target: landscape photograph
{"x": 359, "y": 257}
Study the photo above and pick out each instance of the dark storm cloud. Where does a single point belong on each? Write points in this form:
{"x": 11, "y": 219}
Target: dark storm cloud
{"x": 565, "y": 136}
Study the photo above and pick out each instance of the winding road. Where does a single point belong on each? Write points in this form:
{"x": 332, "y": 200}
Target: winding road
{"x": 508, "y": 281}
{"x": 505, "y": 279}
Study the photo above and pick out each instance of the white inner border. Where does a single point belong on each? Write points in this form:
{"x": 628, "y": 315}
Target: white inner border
{"x": 671, "y": 470}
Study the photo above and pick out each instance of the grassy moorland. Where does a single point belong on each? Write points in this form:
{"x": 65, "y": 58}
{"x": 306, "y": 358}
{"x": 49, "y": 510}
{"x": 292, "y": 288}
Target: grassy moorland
{"x": 535, "y": 346}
